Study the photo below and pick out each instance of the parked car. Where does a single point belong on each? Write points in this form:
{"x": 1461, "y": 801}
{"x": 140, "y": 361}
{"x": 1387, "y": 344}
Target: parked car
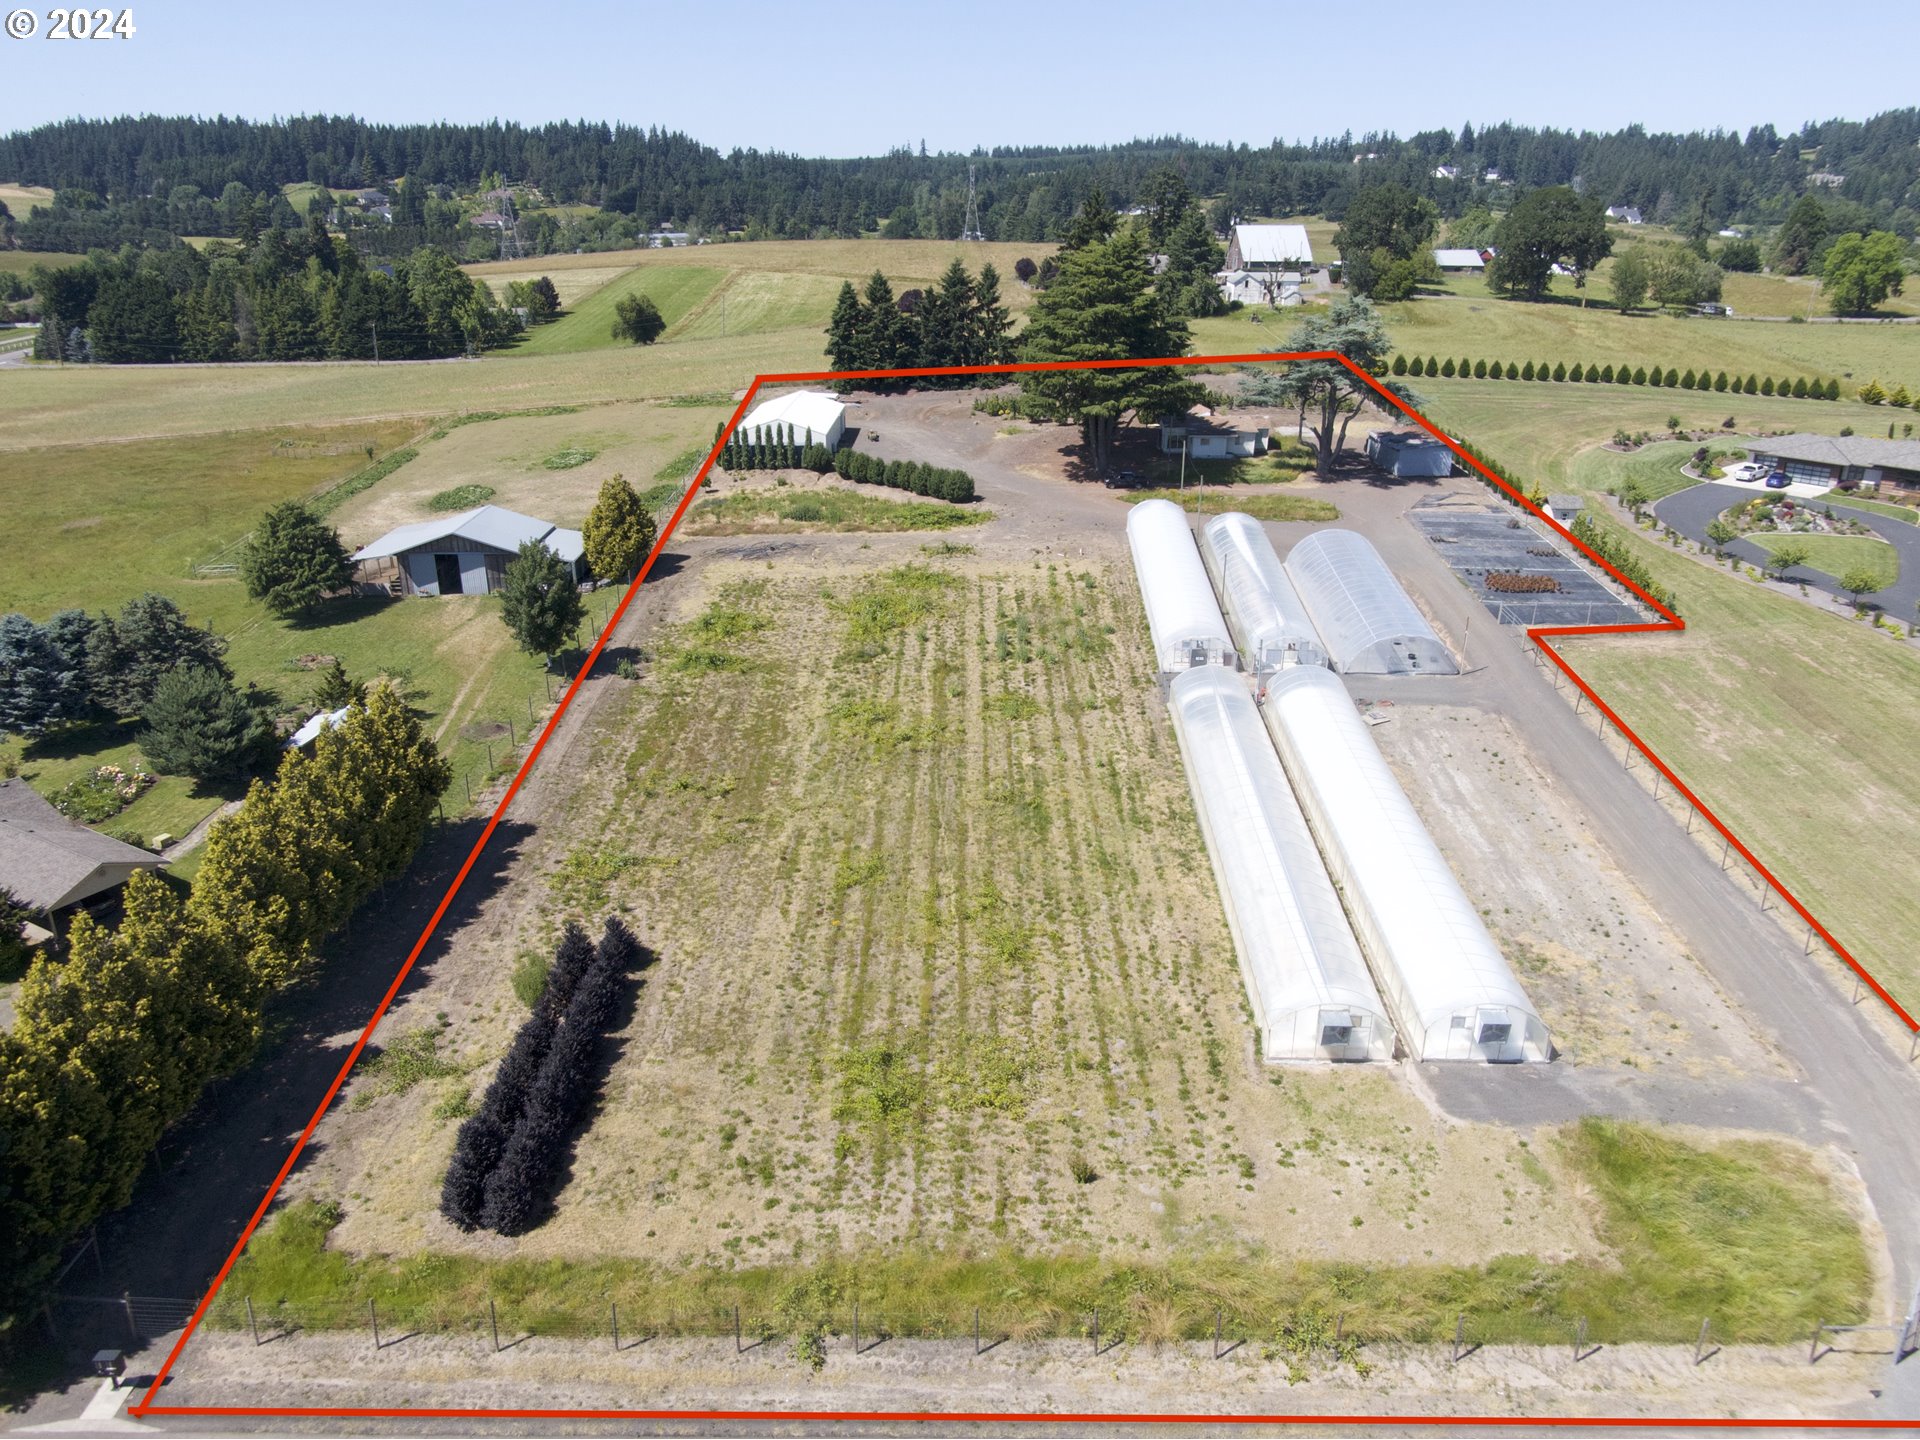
{"x": 1746, "y": 470}
{"x": 1778, "y": 480}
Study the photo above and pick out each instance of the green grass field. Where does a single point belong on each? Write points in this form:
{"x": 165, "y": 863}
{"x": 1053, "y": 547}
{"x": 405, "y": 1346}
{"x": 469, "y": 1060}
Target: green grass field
{"x": 1748, "y": 704}
{"x": 1836, "y": 554}
{"x": 20, "y": 262}
{"x": 587, "y": 323}
{"x": 1261, "y": 504}
{"x": 1894, "y": 512}
{"x": 1746, "y": 1232}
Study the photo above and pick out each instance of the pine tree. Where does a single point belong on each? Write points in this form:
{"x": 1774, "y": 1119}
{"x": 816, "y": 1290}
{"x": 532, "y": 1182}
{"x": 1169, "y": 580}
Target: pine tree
{"x": 1447, "y": 369}
{"x": 1480, "y": 369}
{"x": 540, "y": 600}
{"x": 1399, "y": 364}
{"x": 1766, "y": 386}
{"x": 197, "y": 724}
{"x": 1513, "y": 371}
{"x": 619, "y": 532}
{"x": 1752, "y": 387}
{"x": 1606, "y": 375}
{"x": 1560, "y": 371}
{"x": 1526, "y": 372}
{"x": 1720, "y": 382}
{"x": 846, "y": 334}
{"x": 1433, "y": 366}
{"x": 294, "y": 560}
{"x": 129, "y": 654}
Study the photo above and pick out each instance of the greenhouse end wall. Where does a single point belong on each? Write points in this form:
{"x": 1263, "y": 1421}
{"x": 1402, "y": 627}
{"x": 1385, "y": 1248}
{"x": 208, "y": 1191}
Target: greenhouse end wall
{"x": 1263, "y": 610}
{"x": 1182, "y": 614}
{"x": 1365, "y": 617}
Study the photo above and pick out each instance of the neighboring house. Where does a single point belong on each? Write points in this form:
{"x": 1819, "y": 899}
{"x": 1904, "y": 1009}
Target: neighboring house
{"x": 1408, "y": 454}
{"x": 1491, "y": 176}
{"x": 815, "y": 417}
{"x": 490, "y": 220}
{"x": 1251, "y": 288}
{"x": 1564, "y": 507}
{"x": 463, "y": 554}
{"x": 1827, "y": 178}
{"x": 664, "y": 238}
{"x": 1446, "y": 172}
{"x": 1204, "y": 439}
{"x": 50, "y": 863}
{"x": 1268, "y": 249}
{"x": 1626, "y": 213}
{"x": 1459, "y": 260}
{"x": 1846, "y": 461}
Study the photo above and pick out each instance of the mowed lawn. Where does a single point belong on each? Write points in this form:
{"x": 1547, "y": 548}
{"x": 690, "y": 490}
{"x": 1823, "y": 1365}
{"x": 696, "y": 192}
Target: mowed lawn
{"x": 1836, "y": 554}
{"x": 1790, "y": 721}
{"x": 587, "y": 323}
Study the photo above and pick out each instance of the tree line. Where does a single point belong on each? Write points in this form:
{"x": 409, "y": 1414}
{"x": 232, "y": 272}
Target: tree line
{"x": 508, "y": 1152}
{"x": 1798, "y": 387}
{"x": 287, "y": 295}
{"x": 113, "y": 1044}
{"x": 1027, "y": 192}
{"x": 961, "y": 321}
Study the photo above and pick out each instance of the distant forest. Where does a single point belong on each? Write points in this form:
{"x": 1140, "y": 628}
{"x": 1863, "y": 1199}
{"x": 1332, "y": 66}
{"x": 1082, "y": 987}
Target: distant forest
{"x": 149, "y": 180}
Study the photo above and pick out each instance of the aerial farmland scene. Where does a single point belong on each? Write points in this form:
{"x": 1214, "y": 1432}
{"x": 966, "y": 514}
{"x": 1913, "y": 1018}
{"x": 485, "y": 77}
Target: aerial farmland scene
{"x": 1091, "y": 756}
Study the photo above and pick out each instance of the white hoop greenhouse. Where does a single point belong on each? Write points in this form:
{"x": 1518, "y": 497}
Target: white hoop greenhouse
{"x": 1452, "y": 992}
{"x": 1305, "y": 976}
{"x": 1263, "y": 609}
{"x": 1181, "y": 612}
{"x": 1368, "y": 623}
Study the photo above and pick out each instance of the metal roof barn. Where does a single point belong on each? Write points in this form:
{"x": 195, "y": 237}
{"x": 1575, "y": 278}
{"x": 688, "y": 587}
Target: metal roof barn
{"x": 1182, "y": 614}
{"x": 816, "y": 418}
{"x": 1368, "y": 623}
{"x": 1305, "y": 976}
{"x": 1263, "y": 609}
{"x": 1451, "y": 990}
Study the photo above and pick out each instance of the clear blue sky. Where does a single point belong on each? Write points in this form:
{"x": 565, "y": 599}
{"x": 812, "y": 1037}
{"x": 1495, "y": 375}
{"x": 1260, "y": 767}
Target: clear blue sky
{"x": 859, "y": 76}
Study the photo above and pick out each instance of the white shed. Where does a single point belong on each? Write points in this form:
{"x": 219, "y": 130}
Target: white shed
{"x": 1368, "y": 623}
{"x": 1263, "y": 609}
{"x": 1305, "y": 976}
{"x": 1451, "y": 990}
{"x": 813, "y": 416}
{"x": 1182, "y": 614}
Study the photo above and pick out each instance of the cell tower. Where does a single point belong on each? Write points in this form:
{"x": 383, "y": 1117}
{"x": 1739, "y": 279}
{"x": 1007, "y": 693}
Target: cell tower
{"x": 511, "y": 247}
{"x": 970, "y": 230}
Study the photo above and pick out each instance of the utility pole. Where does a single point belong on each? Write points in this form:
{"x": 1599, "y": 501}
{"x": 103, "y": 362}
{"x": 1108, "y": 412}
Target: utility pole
{"x": 375, "y": 326}
{"x": 970, "y": 227}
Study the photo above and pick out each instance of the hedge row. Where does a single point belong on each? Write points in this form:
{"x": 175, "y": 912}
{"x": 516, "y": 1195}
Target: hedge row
{"x": 1723, "y": 383}
{"x": 774, "y": 448}
{"x": 507, "y": 1153}
{"x": 909, "y": 475}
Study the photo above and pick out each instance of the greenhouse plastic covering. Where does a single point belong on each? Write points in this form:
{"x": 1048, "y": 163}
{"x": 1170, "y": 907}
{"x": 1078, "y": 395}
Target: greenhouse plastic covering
{"x": 1312, "y": 996}
{"x": 1182, "y": 614}
{"x": 1451, "y": 991}
{"x": 1368, "y": 623}
{"x": 1262, "y": 607}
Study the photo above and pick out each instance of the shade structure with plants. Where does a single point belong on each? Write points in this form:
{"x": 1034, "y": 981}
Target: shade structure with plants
{"x": 1263, "y": 609}
{"x": 1182, "y": 615}
{"x": 1368, "y": 622}
{"x": 1306, "y": 979}
{"x": 1451, "y": 990}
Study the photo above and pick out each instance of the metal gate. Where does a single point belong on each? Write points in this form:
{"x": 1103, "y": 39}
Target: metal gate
{"x": 107, "y": 1322}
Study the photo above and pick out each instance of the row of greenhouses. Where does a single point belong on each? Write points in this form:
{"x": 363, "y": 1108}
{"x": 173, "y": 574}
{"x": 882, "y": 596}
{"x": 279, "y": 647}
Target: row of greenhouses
{"x": 1299, "y": 809}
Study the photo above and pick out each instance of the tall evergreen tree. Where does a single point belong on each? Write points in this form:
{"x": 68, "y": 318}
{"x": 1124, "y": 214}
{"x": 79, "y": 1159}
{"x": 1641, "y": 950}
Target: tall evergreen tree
{"x": 294, "y": 560}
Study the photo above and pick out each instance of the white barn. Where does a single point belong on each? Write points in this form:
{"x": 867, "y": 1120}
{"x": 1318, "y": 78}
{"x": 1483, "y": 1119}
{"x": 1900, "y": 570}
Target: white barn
{"x": 1182, "y": 615}
{"x": 463, "y": 554}
{"x": 1451, "y": 259}
{"x": 1263, "y": 609}
{"x": 1269, "y": 247}
{"x": 813, "y": 416}
{"x": 1306, "y": 979}
{"x": 1451, "y": 990}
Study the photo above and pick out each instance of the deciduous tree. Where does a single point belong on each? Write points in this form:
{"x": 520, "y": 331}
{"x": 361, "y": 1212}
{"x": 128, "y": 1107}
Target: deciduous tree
{"x": 539, "y": 600}
{"x": 1862, "y": 270}
{"x": 619, "y": 532}
{"x": 638, "y": 319}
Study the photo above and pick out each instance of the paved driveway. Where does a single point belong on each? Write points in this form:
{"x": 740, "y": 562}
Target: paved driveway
{"x": 1690, "y": 511}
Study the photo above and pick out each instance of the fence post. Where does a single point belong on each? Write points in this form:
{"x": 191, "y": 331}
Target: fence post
{"x": 976, "y": 1329}
{"x": 1096, "y": 1332}
{"x": 1459, "y": 1334}
{"x": 1580, "y": 1339}
{"x": 373, "y": 1319}
{"x": 616, "y": 1327}
{"x": 529, "y": 712}
{"x": 1216, "y": 1332}
{"x": 252, "y": 1324}
{"x": 493, "y": 1320}
{"x": 1813, "y": 1350}
{"x": 513, "y": 739}
{"x": 1700, "y": 1344}
{"x": 856, "y": 1327}
{"x": 126, "y": 1303}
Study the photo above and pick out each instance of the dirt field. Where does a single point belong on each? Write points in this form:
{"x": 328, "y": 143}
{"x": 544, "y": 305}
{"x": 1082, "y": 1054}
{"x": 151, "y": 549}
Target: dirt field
{"x": 1612, "y": 980}
{"x": 983, "y": 941}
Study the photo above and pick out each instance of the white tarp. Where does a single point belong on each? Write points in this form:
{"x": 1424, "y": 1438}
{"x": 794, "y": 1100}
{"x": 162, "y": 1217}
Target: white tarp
{"x": 1451, "y": 990}
{"x": 1306, "y": 978}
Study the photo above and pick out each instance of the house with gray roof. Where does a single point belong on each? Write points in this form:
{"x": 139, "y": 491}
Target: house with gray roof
{"x": 1846, "y": 461}
{"x": 463, "y": 554}
{"x": 49, "y": 863}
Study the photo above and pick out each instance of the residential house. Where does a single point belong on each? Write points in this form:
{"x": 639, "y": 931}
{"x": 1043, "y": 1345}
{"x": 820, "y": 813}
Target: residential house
{"x": 50, "y": 863}
{"x": 1268, "y": 249}
{"x": 1847, "y": 462}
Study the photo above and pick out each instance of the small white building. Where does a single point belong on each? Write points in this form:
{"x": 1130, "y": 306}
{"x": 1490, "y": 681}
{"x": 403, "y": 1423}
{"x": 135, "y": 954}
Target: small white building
{"x": 463, "y": 554}
{"x": 813, "y": 416}
{"x": 1459, "y": 260}
{"x": 1202, "y": 439}
{"x": 1627, "y": 214}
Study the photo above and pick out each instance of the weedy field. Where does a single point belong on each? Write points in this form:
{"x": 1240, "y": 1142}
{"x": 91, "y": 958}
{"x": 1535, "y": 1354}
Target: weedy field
{"x": 946, "y": 1014}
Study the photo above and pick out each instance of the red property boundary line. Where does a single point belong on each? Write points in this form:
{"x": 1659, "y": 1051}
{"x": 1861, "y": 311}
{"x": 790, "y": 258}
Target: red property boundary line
{"x": 147, "y": 1405}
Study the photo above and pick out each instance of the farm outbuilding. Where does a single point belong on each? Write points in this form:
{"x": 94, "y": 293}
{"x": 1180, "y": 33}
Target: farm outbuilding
{"x": 1306, "y": 979}
{"x": 812, "y": 416}
{"x": 1459, "y": 260}
{"x": 463, "y": 554}
{"x": 1368, "y": 623}
{"x": 1271, "y": 248}
{"x": 1407, "y": 454}
{"x": 1184, "y": 618}
{"x": 1263, "y": 610}
{"x": 1451, "y": 990}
